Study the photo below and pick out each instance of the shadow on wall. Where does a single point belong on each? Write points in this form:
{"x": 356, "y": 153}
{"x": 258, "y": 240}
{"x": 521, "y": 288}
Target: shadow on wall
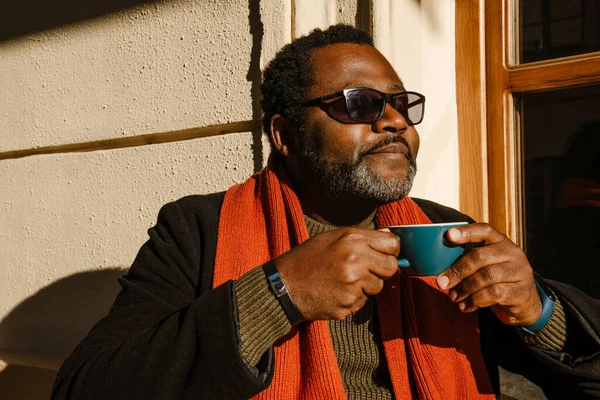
{"x": 254, "y": 76}
{"x": 44, "y": 329}
{"x": 18, "y": 18}
{"x": 26, "y": 383}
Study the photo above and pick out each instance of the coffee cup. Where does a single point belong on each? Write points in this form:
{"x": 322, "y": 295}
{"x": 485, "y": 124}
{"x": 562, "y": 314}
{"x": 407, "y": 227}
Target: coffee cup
{"x": 424, "y": 249}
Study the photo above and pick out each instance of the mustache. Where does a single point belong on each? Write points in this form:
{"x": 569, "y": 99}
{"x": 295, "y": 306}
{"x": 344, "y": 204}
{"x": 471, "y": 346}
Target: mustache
{"x": 396, "y": 138}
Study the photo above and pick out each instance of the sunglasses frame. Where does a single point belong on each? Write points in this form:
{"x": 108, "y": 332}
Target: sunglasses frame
{"x": 321, "y": 101}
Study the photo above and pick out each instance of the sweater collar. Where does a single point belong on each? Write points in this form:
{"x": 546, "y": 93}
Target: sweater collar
{"x": 316, "y": 227}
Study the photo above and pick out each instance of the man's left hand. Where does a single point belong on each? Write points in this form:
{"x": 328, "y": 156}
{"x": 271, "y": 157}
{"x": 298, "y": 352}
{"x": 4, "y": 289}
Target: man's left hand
{"x": 495, "y": 274}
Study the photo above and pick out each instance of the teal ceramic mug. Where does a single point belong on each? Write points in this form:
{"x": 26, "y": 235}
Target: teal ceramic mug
{"x": 424, "y": 249}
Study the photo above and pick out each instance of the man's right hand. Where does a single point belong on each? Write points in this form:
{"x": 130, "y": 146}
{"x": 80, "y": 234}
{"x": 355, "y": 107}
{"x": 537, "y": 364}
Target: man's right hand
{"x": 332, "y": 274}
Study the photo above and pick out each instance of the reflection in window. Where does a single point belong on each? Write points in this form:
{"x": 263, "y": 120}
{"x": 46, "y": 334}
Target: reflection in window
{"x": 561, "y": 175}
{"x": 558, "y": 28}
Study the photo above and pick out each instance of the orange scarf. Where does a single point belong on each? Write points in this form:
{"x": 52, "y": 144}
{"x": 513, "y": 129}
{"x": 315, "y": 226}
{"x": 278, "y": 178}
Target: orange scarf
{"x": 432, "y": 349}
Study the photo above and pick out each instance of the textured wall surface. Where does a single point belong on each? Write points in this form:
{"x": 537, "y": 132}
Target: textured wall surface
{"x": 155, "y": 68}
{"x": 63, "y": 214}
{"x": 72, "y": 222}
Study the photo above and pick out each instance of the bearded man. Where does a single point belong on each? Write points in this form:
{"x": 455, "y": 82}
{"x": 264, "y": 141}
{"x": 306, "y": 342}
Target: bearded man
{"x": 287, "y": 285}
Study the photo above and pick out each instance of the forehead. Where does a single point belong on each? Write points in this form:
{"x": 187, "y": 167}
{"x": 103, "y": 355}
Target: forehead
{"x": 339, "y": 66}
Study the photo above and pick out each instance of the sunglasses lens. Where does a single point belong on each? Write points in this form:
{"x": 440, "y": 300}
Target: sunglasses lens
{"x": 337, "y": 110}
{"x": 410, "y": 106}
{"x": 364, "y": 105}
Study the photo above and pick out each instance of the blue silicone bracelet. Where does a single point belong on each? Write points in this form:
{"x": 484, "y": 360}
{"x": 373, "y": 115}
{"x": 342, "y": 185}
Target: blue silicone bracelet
{"x": 547, "y": 308}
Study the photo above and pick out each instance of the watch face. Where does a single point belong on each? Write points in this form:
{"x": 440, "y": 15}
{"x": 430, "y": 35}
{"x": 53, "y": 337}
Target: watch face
{"x": 277, "y": 284}
{"x": 279, "y": 288}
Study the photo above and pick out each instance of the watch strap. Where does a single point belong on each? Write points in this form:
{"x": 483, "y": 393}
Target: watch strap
{"x": 277, "y": 285}
{"x": 548, "y": 299}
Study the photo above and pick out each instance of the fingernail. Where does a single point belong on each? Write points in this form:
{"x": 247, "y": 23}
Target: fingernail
{"x": 454, "y": 233}
{"x": 462, "y": 306}
{"x": 453, "y": 295}
{"x": 443, "y": 281}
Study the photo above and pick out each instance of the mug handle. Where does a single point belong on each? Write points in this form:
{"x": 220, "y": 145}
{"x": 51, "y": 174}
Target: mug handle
{"x": 403, "y": 263}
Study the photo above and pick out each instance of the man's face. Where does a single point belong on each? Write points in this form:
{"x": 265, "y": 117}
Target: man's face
{"x": 358, "y": 160}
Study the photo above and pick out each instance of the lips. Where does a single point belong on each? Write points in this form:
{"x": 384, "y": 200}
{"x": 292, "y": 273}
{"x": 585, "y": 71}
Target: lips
{"x": 392, "y": 148}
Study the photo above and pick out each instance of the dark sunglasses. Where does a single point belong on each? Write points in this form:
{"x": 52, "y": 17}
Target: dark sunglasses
{"x": 366, "y": 105}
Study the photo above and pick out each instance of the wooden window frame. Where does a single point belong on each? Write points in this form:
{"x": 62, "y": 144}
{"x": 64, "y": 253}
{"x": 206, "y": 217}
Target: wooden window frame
{"x": 488, "y": 135}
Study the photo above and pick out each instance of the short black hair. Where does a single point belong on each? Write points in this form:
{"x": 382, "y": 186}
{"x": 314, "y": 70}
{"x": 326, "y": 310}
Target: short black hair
{"x": 289, "y": 75}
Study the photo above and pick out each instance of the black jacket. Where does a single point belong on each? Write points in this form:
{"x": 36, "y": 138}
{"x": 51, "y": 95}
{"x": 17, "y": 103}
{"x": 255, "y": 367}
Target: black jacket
{"x": 169, "y": 335}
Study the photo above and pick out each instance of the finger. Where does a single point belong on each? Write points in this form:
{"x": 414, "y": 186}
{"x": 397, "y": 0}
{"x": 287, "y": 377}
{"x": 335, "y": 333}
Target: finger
{"x": 486, "y": 276}
{"x": 487, "y": 297}
{"x": 470, "y": 263}
{"x": 475, "y": 233}
{"x": 384, "y": 242}
{"x": 372, "y": 286}
{"x": 380, "y": 241}
{"x": 508, "y": 301}
{"x": 383, "y": 266}
{"x": 352, "y": 300}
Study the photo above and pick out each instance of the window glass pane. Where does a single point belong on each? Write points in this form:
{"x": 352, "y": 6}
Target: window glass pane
{"x": 557, "y": 28}
{"x": 561, "y": 179}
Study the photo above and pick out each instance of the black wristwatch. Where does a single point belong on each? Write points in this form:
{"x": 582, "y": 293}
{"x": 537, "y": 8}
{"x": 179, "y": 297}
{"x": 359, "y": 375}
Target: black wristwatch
{"x": 278, "y": 288}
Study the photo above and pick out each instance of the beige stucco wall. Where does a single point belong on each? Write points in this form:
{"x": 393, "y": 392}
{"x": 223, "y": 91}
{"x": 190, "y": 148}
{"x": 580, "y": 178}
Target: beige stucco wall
{"x": 418, "y": 38}
{"x": 156, "y": 68}
{"x": 71, "y": 222}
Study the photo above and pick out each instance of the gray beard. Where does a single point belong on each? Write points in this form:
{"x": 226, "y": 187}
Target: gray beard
{"x": 355, "y": 180}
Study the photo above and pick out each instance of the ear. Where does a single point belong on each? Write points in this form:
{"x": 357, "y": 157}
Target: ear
{"x": 281, "y": 135}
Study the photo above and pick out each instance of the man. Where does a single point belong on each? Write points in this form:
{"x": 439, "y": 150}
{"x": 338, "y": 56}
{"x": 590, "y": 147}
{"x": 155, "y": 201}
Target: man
{"x": 287, "y": 286}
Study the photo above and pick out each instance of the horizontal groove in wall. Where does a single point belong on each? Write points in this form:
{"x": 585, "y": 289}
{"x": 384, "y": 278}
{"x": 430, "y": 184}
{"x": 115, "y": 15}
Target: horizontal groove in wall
{"x": 140, "y": 140}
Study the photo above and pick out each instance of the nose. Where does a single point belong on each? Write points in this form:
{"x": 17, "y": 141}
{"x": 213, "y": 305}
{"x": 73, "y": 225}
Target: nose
{"x": 390, "y": 121}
